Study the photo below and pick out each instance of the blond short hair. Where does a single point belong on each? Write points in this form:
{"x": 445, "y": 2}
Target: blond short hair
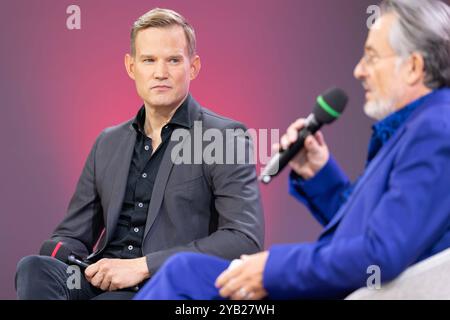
{"x": 162, "y": 18}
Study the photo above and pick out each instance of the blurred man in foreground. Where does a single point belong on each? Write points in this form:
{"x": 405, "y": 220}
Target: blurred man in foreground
{"x": 398, "y": 211}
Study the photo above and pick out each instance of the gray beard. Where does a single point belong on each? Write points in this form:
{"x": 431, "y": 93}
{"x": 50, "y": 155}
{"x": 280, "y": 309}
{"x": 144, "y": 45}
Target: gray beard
{"x": 379, "y": 109}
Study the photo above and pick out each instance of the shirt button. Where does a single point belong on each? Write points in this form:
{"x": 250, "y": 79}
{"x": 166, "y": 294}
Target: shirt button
{"x": 140, "y": 204}
{"x": 130, "y": 247}
{"x": 136, "y": 230}
{"x": 144, "y": 175}
{"x": 147, "y": 148}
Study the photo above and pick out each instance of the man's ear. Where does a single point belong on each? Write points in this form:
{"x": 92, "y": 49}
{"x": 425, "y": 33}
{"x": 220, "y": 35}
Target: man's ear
{"x": 129, "y": 65}
{"x": 416, "y": 69}
{"x": 196, "y": 65}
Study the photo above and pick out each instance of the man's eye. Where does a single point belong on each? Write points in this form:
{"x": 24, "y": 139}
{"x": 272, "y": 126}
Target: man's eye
{"x": 173, "y": 61}
{"x": 148, "y": 60}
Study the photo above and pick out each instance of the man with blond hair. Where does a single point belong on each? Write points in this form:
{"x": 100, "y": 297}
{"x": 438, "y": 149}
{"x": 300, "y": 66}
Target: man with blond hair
{"x": 134, "y": 206}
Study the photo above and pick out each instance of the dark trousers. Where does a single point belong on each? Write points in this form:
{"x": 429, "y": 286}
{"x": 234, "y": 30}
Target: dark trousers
{"x": 46, "y": 278}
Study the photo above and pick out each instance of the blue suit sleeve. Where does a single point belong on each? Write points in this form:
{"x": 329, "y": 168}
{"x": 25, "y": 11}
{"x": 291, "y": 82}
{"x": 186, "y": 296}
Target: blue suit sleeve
{"x": 324, "y": 193}
{"x": 410, "y": 217}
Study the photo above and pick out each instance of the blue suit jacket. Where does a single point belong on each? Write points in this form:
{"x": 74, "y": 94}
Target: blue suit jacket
{"x": 397, "y": 214}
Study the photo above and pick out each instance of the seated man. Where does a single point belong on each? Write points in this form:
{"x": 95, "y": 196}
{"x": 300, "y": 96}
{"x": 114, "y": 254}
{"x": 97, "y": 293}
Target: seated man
{"x": 148, "y": 204}
{"x": 396, "y": 214}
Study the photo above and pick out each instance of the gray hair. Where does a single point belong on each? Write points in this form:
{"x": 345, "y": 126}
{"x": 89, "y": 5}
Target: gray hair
{"x": 423, "y": 26}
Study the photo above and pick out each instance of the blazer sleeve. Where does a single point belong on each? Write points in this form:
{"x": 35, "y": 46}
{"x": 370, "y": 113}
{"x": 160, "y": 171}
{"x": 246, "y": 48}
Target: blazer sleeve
{"x": 410, "y": 217}
{"x": 83, "y": 222}
{"x": 237, "y": 201}
{"x": 324, "y": 193}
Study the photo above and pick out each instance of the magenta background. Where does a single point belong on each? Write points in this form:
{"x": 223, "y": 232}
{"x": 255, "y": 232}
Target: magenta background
{"x": 264, "y": 62}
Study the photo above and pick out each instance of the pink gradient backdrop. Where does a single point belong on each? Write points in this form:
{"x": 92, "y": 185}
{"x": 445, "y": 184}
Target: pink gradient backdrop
{"x": 264, "y": 62}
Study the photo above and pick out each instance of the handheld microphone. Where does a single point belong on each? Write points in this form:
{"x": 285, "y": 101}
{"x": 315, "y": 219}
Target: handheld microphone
{"x": 59, "y": 251}
{"x": 329, "y": 106}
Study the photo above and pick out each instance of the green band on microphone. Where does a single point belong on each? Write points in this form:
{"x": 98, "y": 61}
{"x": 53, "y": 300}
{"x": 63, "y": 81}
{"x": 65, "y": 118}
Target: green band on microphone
{"x": 325, "y": 106}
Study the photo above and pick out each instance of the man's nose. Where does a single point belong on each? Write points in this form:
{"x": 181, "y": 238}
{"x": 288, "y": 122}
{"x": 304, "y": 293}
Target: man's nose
{"x": 160, "y": 70}
{"x": 360, "y": 71}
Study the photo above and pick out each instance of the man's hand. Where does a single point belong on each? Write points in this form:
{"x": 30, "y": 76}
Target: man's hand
{"x": 244, "y": 281}
{"x": 312, "y": 157}
{"x": 115, "y": 274}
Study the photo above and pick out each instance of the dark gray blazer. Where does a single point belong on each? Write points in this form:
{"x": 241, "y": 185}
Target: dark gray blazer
{"x": 213, "y": 209}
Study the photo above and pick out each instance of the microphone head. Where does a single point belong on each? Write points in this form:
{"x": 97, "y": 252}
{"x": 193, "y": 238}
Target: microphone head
{"x": 330, "y": 105}
{"x": 55, "y": 249}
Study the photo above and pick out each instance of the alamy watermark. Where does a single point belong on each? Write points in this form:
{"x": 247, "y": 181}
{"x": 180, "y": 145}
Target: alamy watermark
{"x": 74, "y": 279}
{"x": 374, "y": 280}
{"x": 73, "y": 21}
{"x": 228, "y": 146}
{"x": 374, "y": 12}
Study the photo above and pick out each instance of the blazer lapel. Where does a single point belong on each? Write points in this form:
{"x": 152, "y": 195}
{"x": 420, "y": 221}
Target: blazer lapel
{"x": 120, "y": 168}
{"x": 165, "y": 168}
{"x": 369, "y": 171}
{"x": 160, "y": 185}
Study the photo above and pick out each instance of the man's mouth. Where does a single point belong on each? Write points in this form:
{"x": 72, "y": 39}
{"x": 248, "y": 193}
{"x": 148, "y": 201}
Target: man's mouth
{"x": 366, "y": 89}
{"x": 160, "y": 87}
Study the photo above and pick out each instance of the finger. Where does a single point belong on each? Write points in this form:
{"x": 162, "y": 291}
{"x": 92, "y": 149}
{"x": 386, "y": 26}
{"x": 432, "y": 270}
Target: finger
{"x": 226, "y": 276}
{"x": 234, "y": 284}
{"x": 106, "y": 282}
{"x": 292, "y": 133}
{"x": 293, "y": 129}
{"x": 235, "y": 263}
{"x": 237, "y": 295}
{"x": 275, "y": 147}
{"x": 254, "y": 296}
{"x": 257, "y": 295}
{"x": 284, "y": 142}
{"x": 243, "y": 293}
{"x": 240, "y": 294}
{"x": 320, "y": 139}
{"x": 91, "y": 271}
{"x": 311, "y": 144}
{"x": 112, "y": 287}
{"x": 297, "y": 125}
{"x": 97, "y": 279}
{"x": 230, "y": 288}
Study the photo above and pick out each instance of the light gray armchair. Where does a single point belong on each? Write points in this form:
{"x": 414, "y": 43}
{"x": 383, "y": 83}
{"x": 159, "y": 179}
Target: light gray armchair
{"x": 428, "y": 279}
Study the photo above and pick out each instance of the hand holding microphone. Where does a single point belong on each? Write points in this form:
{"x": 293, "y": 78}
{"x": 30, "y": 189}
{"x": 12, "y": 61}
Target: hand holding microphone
{"x": 312, "y": 157}
{"x": 328, "y": 108}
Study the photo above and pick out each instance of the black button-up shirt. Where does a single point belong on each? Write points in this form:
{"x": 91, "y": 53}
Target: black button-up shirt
{"x": 127, "y": 240}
